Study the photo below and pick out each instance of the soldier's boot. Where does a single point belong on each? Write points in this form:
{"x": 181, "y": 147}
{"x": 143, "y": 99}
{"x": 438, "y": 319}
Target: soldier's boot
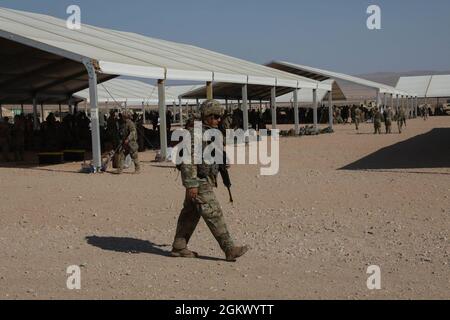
{"x": 137, "y": 167}
{"x": 180, "y": 250}
{"x": 183, "y": 253}
{"x": 235, "y": 252}
{"x": 120, "y": 164}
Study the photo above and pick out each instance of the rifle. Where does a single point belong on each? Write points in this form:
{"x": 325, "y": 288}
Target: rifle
{"x": 223, "y": 170}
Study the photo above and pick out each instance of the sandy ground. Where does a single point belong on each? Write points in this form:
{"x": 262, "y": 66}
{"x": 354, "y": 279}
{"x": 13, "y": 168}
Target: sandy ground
{"x": 340, "y": 203}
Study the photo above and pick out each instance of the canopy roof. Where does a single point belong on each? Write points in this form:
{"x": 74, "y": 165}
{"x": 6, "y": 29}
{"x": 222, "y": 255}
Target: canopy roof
{"x": 306, "y": 96}
{"x": 426, "y": 86}
{"x": 132, "y": 92}
{"x": 321, "y": 75}
{"x": 136, "y": 93}
{"x": 43, "y": 57}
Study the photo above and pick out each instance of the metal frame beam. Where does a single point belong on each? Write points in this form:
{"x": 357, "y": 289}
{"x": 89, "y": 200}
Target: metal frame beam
{"x": 162, "y": 117}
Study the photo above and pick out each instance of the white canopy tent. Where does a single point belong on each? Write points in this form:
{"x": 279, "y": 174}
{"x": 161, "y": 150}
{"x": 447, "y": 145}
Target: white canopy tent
{"x": 131, "y": 92}
{"x": 437, "y": 86}
{"x": 306, "y": 96}
{"x": 321, "y": 75}
{"x": 42, "y": 57}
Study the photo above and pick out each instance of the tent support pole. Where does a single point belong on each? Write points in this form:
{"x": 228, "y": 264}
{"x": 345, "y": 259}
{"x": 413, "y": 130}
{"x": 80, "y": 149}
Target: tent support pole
{"x": 296, "y": 115}
{"x": 209, "y": 90}
{"x": 245, "y": 106}
{"x": 273, "y": 101}
{"x": 162, "y": 116}
{"x": 174, "y": 111}
{"x": 143, "y": 113}
{"x": 35, "y": 117}
{"x": 330, "y": 109}
{"x": 397, "y": 104}
{"x": 180, "y": 103}
{"x": 315, "y": 110}
{"x": 378, "y": 99}
{"x": 95, "y": 127}
{"x": 42, "y": 113}
{"x": 416, "y": 106}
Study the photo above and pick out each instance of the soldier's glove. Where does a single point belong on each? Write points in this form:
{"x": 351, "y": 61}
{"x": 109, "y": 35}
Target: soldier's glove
{"x": 192, "y": 193}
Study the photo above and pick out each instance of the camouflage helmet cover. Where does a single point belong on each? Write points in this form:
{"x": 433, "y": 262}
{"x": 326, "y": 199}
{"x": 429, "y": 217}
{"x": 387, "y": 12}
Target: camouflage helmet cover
{"x": 211, "y": 108}
{"x": 126, "y": 114}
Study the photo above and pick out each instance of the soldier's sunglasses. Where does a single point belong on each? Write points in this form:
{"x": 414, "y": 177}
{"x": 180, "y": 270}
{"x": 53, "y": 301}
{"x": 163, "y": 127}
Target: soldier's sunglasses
{"x": 217, "y": 117}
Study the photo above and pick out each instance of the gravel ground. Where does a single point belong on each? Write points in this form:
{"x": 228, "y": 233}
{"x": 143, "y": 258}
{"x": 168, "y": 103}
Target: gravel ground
{"x": 339, "y": 204}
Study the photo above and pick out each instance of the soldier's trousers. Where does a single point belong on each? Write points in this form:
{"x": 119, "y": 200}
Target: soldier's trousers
{"x": 388, "y": 127}
{"x": 377, "y": 128}
{"x": 400, "y": 126}
{"x": 207, "y": 207}
{"x": 134, "y": 156}
{"x": 357, "y": 123}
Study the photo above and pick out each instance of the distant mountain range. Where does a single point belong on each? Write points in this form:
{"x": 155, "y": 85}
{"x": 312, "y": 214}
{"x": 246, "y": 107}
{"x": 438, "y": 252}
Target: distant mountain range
{"x": 356, "y": 92}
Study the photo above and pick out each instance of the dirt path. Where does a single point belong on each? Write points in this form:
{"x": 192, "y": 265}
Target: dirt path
{"x": 340, "y": 203}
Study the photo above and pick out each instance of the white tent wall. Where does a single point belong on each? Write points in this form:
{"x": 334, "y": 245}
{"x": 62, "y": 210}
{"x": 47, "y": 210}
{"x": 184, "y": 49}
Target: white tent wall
{"x": 417, "y": 84}
{"x": 321, "y": 74}
{"x": 430, "y": 86}
{"x": 439, "y": 87}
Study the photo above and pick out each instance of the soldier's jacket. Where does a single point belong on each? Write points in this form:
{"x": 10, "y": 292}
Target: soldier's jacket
{"x": 358, "y": 114}
{"x": 388, "y": 116}
{"x": 202, "y": 176}
{"x": 401, "y": 114}
{"x": 129, "y": 132}
{"x": 227, "y": 121}
{"x": 377, "y": 117}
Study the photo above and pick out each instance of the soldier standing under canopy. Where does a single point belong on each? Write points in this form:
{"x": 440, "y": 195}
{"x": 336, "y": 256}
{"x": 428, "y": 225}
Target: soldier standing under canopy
{"x": 200, "y": 200}
{"x": 357, "y": 118}
{"x": 388, "y": 120}
{"x": 129, "y": 144}
{"x": 377, "y": 120}
{"x": 401, "y": 118}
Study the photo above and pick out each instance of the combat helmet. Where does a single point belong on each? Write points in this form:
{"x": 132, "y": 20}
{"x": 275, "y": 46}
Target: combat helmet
{"x": 211, "y": 107}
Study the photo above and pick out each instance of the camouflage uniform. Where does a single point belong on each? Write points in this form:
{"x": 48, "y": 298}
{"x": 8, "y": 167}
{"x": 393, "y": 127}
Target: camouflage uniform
{"x": 129, "y": 133}
{"x": 357, "y": 118}
{"x": 205, "y": 205}
{"x": 388, "y": 121}
{"x": 401, "y": 118}
{"x": 377, "y": 121}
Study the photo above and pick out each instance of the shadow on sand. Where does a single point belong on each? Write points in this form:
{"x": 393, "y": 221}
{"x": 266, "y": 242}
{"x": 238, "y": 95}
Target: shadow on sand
{"x": 136, "y": 246}
{"x": 426, "y": 151}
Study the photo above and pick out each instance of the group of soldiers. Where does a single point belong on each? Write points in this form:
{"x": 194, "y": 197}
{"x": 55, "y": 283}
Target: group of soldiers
{"x": 387, "y": 116}
{"x": 27, "y": 133}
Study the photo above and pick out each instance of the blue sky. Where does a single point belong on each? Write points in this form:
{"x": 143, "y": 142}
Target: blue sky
{"x": 329, "y": 34}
